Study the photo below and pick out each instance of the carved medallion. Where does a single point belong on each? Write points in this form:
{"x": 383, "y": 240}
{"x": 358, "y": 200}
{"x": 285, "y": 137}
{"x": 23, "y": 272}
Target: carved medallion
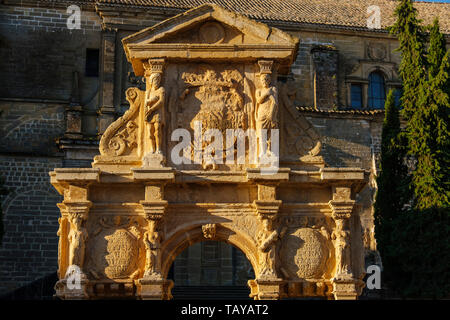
{"x": 116, "y": 253}
{"x": 376, "y": 51}
{"x": 212, "y": 33}
{"x": 304, "y": 253}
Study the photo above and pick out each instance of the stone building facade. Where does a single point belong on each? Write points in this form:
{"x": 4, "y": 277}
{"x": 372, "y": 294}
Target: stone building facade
{"x": 61, "y": 88}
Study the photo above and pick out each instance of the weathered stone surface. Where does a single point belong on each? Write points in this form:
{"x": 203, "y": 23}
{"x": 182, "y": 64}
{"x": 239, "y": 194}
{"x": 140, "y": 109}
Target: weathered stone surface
{"x": 133, "y": 235}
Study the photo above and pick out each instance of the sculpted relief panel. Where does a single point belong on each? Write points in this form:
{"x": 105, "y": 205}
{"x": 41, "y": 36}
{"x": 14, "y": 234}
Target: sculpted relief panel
{"x": 224, "y": 107}
{"x": 185, "y": 164}
{"x": 114, "y": 248}
{"x": 304, "y": 254}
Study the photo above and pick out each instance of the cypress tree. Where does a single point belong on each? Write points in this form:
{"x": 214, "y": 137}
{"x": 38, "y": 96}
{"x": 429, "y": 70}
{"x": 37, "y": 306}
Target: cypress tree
{"x": 436, "y": 51}
{"x": 411, "y": 37}
{"x": 429, "y": 130}
{"x": 391, "y": 181}
{"x": 393, "y": 172}
{"x": 414, "y": 242}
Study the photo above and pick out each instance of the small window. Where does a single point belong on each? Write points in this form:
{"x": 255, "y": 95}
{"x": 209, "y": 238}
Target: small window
{"x": 356, "y": 96}
{"x": 92, "y": 63}
{"x": 397, "y": 95}
{"x": 377, "y": 91}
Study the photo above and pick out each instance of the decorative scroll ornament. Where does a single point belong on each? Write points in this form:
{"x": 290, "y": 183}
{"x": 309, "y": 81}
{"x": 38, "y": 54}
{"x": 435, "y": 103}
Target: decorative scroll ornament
{"x": 121, "y": 136}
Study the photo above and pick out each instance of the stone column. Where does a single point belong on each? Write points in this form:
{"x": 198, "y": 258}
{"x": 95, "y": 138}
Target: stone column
{"x": 344, "y": 284}
{"x": 107, "y": 110}
{"x": 267, "y": 285}
{"x": 75, "y": 209}
{"x": 365, "y": 93}
{"x": 153, "y": 286}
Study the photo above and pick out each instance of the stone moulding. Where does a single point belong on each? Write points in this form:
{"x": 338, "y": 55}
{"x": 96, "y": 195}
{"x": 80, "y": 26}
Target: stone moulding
{"x": 124, "y": 221}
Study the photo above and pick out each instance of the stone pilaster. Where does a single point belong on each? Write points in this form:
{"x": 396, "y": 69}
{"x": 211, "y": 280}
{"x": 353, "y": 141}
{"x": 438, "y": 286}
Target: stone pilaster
{"x": 74, "y": 283}
{"x": 153, "y": 286}
{"x": 267, "y": 285}
{"x": 344, "y": 284}
{"x": 107, "y": 110}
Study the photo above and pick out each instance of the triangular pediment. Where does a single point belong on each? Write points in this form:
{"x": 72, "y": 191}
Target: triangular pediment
{"x": 209, "y": 32}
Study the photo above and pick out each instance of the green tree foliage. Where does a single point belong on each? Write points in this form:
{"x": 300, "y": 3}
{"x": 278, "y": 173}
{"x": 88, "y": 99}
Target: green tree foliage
{"x": 392, "y": 181}
{"x": 413, "y": 231}
{"x": 429, "y": 140}
{"x": 411, "y": 37}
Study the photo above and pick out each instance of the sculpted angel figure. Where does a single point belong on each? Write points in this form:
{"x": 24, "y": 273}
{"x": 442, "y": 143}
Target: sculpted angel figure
{"x": 267, "y": 239}
{"x": 266, "y": 110}
{"x": 77, "y": 241}
{"x": 154, "y": 110}
{"x": 152, "y": 242}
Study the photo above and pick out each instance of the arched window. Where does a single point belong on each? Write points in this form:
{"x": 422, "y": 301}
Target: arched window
{"x": 377, "y": 91}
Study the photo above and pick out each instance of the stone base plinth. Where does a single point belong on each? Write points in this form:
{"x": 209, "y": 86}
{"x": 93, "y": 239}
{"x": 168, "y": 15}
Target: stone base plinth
{"x": 72, "y": 290}
{"x": 153, "y": 160}
{"x": 345, "y": 288}
{"x": 266, "y": 289}
{"x": 153, "y": 288}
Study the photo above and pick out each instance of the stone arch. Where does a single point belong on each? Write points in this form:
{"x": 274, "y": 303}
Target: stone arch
{"x": 30, "y": 239}
{"x": 181, "y": 240}
{"x": 387, "y": 74}
{"x": 13, "y": 194}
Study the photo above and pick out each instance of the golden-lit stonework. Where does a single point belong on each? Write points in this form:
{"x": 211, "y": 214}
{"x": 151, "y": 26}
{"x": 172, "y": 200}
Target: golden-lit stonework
{"x": 124, "y": 221}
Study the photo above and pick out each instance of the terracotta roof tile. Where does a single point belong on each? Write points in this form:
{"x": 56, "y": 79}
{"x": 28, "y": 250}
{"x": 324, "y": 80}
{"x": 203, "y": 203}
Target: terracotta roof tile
{"x": 341, "y": 111}
{"x": 344, "y": 13}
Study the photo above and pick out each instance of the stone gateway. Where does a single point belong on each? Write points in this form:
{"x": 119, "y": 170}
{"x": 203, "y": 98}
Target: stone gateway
{"x": 125, "y": 220}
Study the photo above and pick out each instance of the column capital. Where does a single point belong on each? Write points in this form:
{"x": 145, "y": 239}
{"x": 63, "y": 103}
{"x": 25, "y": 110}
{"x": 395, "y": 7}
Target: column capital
{"x": 267, "y": 209}
{"x": 341, "y": 209}
{"x": 77, "y": 208}
{"x": 154, "y": 210}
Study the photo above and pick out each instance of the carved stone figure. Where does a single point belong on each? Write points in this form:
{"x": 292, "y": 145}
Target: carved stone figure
{"x": 266, "y": 111}
{"x": 152, "y": 242}
{"x": 267, "y": 239}
{"x": 342, "y": 244}
{"x": 77, "y": 240}
{"x": 154, "y": 110}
